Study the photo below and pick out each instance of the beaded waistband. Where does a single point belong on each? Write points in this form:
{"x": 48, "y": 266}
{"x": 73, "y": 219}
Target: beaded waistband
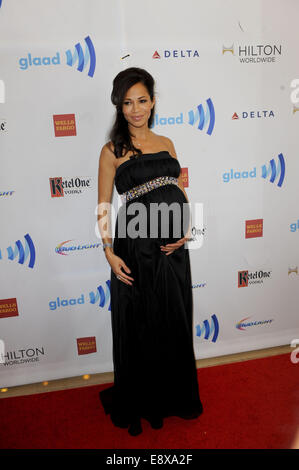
{"x": 148, "y": 186}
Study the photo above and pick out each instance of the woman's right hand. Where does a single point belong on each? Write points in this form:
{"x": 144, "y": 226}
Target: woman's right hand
{"x": 117, "y": 266}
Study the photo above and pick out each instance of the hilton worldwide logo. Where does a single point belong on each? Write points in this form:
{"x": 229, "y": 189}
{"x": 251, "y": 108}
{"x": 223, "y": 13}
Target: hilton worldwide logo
{"x": 253, "y": 53}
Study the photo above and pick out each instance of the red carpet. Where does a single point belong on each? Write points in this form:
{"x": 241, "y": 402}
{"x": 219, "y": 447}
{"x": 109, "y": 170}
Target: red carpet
{"x": 247, "y": 405}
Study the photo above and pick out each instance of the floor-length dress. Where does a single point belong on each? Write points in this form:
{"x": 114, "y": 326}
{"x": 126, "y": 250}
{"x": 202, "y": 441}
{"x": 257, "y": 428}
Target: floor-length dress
{"x": 154, "y": 364}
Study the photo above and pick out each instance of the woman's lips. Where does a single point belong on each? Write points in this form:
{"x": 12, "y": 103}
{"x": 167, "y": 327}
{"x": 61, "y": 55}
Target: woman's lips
{"x": 137, "y": 118}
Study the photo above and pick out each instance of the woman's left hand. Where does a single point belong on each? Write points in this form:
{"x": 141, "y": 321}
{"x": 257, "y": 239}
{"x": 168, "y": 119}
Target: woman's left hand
{"x": 171, "y": 247}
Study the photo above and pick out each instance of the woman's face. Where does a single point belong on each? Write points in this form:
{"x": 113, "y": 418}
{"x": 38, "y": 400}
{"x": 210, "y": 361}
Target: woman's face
{"x": 137, "y": 105}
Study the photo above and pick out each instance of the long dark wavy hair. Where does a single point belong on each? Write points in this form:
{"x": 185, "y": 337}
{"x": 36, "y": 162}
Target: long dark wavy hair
{"x": 120, "y": 135}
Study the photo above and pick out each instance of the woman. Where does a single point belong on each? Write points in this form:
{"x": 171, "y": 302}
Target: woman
{"x": 151, "y": 292}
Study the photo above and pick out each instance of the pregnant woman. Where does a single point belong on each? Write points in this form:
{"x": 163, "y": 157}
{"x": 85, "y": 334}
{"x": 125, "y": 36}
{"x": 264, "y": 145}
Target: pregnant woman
{"x": 155, "y": 372}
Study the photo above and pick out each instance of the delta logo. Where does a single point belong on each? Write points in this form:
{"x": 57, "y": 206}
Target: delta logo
{"x": 176, "y": 54}
{"x": 64, "y": 124}
{"x": 246, "y": 278}
{"x": 243, "y": 324}
{"x": 86, "y": 345}
{"x": 62, "y": 186}
{"x": 85, "y": 61}
{"x": 253, "y": 115}
{"x": 8, "y": 308}
{"x": 274, "y": 172}
{"x": 254, "y": 228}
{"x": 202, "y": 117}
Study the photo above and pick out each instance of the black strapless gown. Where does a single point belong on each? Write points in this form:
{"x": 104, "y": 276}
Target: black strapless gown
{"x": 154, "y": 364}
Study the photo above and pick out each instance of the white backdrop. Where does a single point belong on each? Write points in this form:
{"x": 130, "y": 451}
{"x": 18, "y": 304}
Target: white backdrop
{"x": 223, "y": 73}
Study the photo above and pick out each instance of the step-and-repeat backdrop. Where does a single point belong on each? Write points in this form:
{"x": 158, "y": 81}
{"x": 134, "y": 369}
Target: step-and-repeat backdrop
{"x": 227, "y": 88}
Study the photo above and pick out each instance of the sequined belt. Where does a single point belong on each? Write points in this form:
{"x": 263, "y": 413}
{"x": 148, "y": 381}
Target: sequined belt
{"x": 148, "y": 186}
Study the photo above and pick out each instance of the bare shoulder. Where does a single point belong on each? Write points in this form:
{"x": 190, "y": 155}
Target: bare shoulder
{"x": 169, "y": 145}
{"x": 107, "y": 156}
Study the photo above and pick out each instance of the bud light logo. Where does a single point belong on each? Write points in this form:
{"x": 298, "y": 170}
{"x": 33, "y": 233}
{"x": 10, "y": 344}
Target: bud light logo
{"x": 208, "y": 330}
{"x": 243, "y": 324}
{"x": 22, "y": 251}
{"x": 203, "y": 119}
{"x": 84, "y": 60}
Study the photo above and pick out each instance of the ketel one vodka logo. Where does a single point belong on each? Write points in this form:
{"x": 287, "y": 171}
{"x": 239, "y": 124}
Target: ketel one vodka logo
{"x": 83, "y": 60}
{"x": 60, "y": 186}
{"x": 246, "y": 278}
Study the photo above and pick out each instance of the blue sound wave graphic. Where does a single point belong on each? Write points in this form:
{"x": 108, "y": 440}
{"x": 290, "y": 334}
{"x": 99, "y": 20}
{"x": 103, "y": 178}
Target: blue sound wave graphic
{"x": 103, "y": 296}
{"x": 204, "y": 118}
{"x": 275, "y": 171}
{"x": 83, "y": 59}
{"x": 206, "y": 330}
{"x": 22, "y": 252}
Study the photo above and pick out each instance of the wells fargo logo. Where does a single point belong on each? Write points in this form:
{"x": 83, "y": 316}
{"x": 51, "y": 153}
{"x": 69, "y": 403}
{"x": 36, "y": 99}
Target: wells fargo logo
{"x": 185, "y": 178}
{"x": 64, "y": 124}
{"x": 86, "y": 345}
{"x": 8, "y": 308}
{"x": 254, "y": 228}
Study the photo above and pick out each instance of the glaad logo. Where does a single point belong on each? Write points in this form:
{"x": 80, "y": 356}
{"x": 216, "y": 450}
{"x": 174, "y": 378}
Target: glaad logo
{"x": 275, "y": 171}
{"x": 208, "y": 330}
{"x": 101, "y": 295}
{"x": 204, "y": 118}
{"x": 22, "y": 251}
{"x": 294, "y": 226}
{"x": 83, "y": 59}
{"x": 241, "y": 325}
